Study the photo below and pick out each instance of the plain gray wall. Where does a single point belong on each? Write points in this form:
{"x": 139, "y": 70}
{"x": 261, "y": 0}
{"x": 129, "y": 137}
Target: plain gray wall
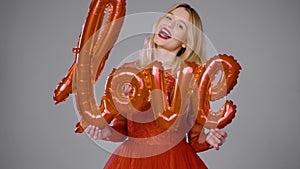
{"x": 37, "y": 38}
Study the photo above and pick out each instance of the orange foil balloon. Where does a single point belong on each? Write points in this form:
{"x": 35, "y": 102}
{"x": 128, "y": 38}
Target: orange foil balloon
{"x": 166, "y": 113}
{"x": 155, "y": 82}
{"x": 229, "y": 69}
{"x": 136, "y": 100}
{"x": 94, "y": 51}
{"x": 64, "y": 88}
{"x": 92, "y": 24}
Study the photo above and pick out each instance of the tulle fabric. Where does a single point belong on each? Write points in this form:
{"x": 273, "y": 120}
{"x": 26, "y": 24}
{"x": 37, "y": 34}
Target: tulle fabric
{"x": 182, "y": 156}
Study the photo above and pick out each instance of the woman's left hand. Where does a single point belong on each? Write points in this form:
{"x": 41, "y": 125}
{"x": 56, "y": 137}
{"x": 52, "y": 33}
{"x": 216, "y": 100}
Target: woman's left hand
{"x": 216, "y": 137}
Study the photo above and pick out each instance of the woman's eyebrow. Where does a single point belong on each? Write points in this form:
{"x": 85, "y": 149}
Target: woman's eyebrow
{"x": 181, "y": 20}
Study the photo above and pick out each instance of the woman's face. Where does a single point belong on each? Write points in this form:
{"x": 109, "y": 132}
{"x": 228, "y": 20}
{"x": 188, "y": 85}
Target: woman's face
{"x": 171, "y": 31}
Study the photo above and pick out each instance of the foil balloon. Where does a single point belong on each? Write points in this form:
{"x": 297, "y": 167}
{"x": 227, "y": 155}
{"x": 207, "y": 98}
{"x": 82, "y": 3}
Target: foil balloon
{"x": 155, "y": 82}
{"x": 64, "y": 88}
{"x": 92, "y": 24}
{"x": 94, "y": 47}
{"x": 168, "y": 110}
{"x": 137, "y": 99}
{"x": 206, "y": 74}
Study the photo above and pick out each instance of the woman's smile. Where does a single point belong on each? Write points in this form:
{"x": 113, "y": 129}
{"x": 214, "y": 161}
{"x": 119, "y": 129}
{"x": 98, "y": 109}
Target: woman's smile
{"x": 165, "y": 33}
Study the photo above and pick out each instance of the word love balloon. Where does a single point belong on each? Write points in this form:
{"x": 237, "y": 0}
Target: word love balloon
{"x": 148, "y": 89}
{"x": 193, "y": 82}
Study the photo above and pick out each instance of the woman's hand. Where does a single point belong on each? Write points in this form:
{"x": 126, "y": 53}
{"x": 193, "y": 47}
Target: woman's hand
{"x": 98, "y": 134}
{"x": 216, "y": 137}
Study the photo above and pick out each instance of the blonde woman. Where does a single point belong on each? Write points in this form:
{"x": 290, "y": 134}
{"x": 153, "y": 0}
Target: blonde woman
{"x": 178, "y": 37}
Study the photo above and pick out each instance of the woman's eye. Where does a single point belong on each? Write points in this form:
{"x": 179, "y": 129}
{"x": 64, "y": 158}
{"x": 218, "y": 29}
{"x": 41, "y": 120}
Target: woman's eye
{"x": 180, "y": 26}
{"x": 168, "y": 17}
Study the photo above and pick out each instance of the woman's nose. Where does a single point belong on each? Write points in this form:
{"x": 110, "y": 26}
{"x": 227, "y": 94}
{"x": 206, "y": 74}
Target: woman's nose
{"x": 171, "y": 24}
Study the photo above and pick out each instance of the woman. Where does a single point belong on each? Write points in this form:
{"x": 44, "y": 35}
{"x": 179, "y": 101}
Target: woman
{"x": 177, "y": 38}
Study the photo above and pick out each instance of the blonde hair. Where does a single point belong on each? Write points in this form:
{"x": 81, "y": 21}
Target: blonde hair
{"x": 195, "y": 44}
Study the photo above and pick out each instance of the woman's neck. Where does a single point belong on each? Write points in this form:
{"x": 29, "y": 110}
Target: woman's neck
{"x": 167, "y": 58}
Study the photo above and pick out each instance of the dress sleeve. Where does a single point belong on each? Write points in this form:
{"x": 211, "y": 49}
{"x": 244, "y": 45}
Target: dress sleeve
{"x": 197, "y": 138}
{"x": 118, "y": 129}
{"x": 196, "y": 135}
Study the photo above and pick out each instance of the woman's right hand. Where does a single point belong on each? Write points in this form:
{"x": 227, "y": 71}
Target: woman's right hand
{"x": 97, "y": 133}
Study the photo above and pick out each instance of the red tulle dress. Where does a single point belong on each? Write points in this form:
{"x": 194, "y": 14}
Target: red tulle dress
{"x": 148, "y": 146}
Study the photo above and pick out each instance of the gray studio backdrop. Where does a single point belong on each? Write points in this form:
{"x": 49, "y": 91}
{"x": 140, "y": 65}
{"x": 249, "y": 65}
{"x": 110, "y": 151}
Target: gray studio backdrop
{"x": 37, "y": 38}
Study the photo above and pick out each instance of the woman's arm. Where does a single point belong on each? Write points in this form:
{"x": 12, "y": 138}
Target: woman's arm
{"x": 116, "y": 133}
{"x": 198, "y": 139}
{"x": 118, "y": 129}
{"x": 196, "y": 135}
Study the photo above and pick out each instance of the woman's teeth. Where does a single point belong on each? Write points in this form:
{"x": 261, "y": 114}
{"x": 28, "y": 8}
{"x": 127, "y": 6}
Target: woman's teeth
{"x": 164, "y": 34}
